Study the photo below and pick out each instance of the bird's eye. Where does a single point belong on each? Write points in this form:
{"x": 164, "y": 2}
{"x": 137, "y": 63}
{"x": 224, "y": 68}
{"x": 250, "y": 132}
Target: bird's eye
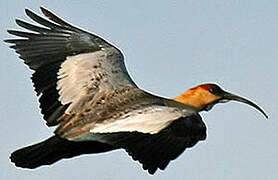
{"x": 211, "y": 90}
{"x": 215, "y": 90}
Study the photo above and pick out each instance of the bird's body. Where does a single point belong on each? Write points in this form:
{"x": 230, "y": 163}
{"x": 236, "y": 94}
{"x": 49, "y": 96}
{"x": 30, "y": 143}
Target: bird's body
{"x": 126, "y": 109}
{"x": 86, "y": 91}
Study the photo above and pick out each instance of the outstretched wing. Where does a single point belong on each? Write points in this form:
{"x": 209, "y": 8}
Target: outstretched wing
{"x": 155, "y": 151}
{"x": 71, "y": 65}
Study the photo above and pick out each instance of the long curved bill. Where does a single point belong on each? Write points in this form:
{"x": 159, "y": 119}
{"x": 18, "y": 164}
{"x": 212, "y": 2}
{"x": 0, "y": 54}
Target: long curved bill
{"x": 229, "y": 96}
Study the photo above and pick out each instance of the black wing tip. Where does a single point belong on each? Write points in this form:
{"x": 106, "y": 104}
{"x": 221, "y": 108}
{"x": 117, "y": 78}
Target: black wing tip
{"x": 45, "y": 11}
{"x": 28, "y": 12}
{"x": 10, "y": 31}
{"x": 13, "y": 32}
{"x": 56, "y": 19}
{"x": 31, "y": 14}
{"x": 11, "y": 41}
{"x": 20, "y": 22}
{"x": 7, "y": 40}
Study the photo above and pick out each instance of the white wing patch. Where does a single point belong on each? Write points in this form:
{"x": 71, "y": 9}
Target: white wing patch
{"x": 83, "y": 76}
{"x": 148, "y": 120}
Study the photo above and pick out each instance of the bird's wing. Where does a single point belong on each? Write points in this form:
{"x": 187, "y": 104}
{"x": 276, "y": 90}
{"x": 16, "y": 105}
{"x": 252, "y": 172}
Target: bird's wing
{"x": 156, "y": 150}
{"x": 70, "y": 64}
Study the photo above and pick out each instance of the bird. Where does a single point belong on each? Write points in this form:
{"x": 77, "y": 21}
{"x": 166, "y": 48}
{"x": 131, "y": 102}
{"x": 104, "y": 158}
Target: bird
{"x": 85, "y": 90}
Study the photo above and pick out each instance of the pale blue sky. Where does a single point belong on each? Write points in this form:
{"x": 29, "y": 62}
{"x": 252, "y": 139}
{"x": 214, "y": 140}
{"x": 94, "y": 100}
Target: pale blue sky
{"x": 169, "y": 47}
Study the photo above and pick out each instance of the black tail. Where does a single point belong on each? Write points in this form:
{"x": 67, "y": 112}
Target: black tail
{"x": 54, "y": 149}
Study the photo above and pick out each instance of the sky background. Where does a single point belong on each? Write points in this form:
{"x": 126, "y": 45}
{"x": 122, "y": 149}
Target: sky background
{"x": 169, "y": 46}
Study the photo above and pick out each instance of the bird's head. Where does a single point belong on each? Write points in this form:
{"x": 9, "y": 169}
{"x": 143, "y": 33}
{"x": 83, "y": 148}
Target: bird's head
{"x": 205, "y": 96}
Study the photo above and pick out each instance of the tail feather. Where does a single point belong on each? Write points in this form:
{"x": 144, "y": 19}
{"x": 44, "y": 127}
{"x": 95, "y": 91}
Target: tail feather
{"x": 54, "y": 149}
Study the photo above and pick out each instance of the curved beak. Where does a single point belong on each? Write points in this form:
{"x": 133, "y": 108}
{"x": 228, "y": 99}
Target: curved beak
{"x": 228, "y": 96}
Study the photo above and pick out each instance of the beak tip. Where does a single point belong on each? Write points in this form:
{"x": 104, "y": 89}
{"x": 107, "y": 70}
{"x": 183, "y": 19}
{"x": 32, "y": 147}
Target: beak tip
{"x": 240, "y": 99}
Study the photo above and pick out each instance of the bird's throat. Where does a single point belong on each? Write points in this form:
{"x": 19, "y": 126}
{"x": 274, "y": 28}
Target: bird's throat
{"x": 190, "y": 101}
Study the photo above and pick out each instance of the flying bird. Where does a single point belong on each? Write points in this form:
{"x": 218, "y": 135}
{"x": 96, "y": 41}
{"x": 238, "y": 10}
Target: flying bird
{"x": 85, "y": 90}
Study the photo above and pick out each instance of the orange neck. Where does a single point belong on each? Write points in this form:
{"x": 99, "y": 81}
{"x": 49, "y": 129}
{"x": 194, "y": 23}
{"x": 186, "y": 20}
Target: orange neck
{"x": 189, "y": 100}
{"x": 197, "y": 98}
